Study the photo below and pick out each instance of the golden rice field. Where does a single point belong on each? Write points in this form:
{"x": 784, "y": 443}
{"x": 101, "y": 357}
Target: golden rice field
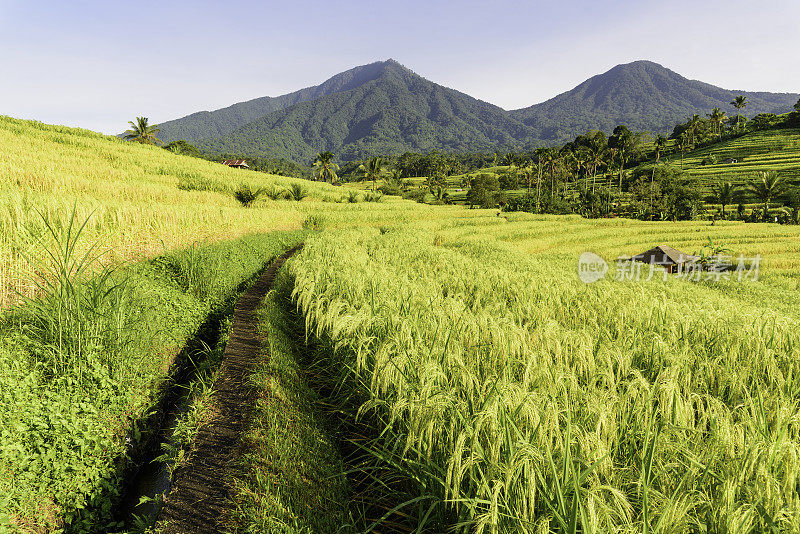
{"x": 522, "y": 400}
{"x": 514, "y": 398}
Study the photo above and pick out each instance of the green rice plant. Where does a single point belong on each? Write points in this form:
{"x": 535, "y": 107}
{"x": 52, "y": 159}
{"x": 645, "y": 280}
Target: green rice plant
{"x": 513, "y": 398}
{"x": 314, "y": 222}
{"x": 352, "y": 197}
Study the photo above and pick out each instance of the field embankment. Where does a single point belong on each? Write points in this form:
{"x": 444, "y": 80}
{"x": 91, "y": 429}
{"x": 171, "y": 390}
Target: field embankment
{"x": 82, "y": 365}
{"x": 201, "y": 492}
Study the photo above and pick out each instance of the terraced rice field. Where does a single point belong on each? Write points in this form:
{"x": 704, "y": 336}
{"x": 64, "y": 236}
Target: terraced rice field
{"x": 496, "y": 391}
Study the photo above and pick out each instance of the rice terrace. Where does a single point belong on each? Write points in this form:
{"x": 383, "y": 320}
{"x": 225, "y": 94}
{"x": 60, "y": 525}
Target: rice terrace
{"x": 381, "y": 305}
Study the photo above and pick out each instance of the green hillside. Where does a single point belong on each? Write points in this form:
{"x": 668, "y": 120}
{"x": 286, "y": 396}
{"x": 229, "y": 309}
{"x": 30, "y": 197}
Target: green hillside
{"x": 396, "y": 112}
{"x": 385, "y": 108}
{"x": 642, "y": 95}
{"x": 222, "y": 121}
{"x": 769, "y": 150}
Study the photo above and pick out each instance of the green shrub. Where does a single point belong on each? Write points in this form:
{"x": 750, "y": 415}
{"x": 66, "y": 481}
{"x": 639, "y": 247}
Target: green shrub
{"x": 274, "y": 192}
{"x": 297, "y": 192}
{"x": 247, "y": 196}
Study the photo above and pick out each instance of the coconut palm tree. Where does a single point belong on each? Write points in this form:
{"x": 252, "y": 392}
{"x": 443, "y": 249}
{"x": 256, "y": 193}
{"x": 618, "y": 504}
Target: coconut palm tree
{"x": 324, "y": 167}
{"x": 597, "y": 157}
{"x": 141, "y": 132}
{"x": 683, "y": 144}
{"x": 769, "y": 186}
{"x": 693, "y": 126}
{"x": 528, "y": 173}
{"x": 718, "y": 117}
{"x": 372, "y": 170}
{"x": 725, "y": 195}
{"x": 740, "y": 102}
{"x": 660, "y": 144}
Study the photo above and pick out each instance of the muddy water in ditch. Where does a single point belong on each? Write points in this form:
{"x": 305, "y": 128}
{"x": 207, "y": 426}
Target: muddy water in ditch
{"x": 152, "y": 477}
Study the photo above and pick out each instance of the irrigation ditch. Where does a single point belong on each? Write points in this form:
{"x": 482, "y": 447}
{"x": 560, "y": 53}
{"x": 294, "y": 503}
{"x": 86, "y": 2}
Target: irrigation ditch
{"x": 191, "y": 496}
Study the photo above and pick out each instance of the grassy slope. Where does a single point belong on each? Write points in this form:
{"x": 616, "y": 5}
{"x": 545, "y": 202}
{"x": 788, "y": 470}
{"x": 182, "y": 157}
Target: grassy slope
{"x": 768, "y": 150}
{"x": 131, "y": 190}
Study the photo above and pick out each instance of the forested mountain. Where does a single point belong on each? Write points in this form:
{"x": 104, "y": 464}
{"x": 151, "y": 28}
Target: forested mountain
{"x": 206, "y": 124}
{"x": 642, "y": 95}
{"x": 397, "y": 111}
{"x": 385, "y": 108}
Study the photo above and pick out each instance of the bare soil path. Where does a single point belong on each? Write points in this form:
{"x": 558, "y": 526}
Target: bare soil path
{"x": 201, "y": 491}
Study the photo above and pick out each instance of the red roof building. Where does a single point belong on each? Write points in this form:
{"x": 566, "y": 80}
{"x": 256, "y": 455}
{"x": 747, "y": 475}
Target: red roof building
{"x": 238, "y": 163}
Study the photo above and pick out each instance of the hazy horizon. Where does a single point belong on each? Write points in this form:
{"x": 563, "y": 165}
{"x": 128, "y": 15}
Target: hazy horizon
{"x": 98, "y": 65}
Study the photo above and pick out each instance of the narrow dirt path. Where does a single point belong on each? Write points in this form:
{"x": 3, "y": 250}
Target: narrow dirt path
{"x": 201, "y": 491}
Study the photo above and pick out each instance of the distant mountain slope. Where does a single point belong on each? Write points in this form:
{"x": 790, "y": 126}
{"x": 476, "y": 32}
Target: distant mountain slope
{"x": 396, "y": 111}
{"x": 205, "y": 124}
{"x": 385, "y": 108}
{"x": 642, "y": 95}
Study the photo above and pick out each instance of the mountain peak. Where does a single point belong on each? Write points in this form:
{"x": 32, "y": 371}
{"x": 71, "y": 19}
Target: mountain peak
{"x": 383, "y": 107}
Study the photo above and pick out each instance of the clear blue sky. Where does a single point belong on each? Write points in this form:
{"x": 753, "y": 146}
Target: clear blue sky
{"x": 97, "y": 64}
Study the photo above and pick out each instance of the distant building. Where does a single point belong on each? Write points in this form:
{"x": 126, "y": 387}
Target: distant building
{"x": 671, "y": 259}
{"x": 238, "y": 163}
{"x": 730, "y": 160}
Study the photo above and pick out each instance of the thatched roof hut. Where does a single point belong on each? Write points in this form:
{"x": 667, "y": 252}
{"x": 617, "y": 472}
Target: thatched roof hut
{"x": 671, "y": 259}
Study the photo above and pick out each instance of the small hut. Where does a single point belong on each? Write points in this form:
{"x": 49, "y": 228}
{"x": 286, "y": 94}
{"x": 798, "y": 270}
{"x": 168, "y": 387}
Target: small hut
{"x": 671, "y": 259}
{"x": 729, "y": 161}
{"x": 237, "y": 163}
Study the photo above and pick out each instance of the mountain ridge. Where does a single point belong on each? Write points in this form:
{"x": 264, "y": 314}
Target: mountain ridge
{"x": 384, "y": 107}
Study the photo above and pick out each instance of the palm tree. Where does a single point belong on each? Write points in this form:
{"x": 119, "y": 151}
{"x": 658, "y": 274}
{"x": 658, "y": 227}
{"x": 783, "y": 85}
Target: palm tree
{"x": 324, "y": 168}
{"x": 683, "y": 143}
{"x": 768, "y": 187}
{"x": 627, "y": 144}
{"x": 528, "y": 172}
{"x": 718, "y": 117}
{"x": 372, "y": 170}
{"x": 740, "y": 102}
{"x": 797, "y": 106}
{"x": 725, "y": 194}
{"x": 597, "y": 155}
{"x": 693, "y": 125}
{"x": 660, "y": 144}
{"x": 141, "y": 132}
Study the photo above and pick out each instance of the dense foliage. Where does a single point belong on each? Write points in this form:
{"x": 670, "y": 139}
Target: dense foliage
{"x": 206, "y": 124}
{"x": 643, "y": 95}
